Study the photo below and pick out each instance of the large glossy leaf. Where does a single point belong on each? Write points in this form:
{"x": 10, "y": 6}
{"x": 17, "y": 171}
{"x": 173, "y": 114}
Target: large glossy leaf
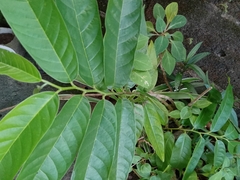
{"x": 125, "y": 143}
{"x": 83, "y": 23}
{"x": 142, "y": 43}
{"x": 151, "y": 52}
{"x": 22, "y": 128}
{"x": 181, "y": 152}
{"x": 224, "y": 111}
{"x": 142, "y": 78}
{"x": 219, "y": 153}
{"x": 197, "y": 153}
{"x": 18, "y": 68}
{"x": 40, "y": 28}
{"x": 57, "y": 150}
{"x": 153, "y": 128}
{"x": 123, "y": 18}
{"x": 96, "y": 152}
{"x": 154, "y": 77}
{"x": 142, "y": 62}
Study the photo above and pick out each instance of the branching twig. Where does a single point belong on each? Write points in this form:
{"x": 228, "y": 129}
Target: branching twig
{"x": 165, "y": 76}
{"x": 200, "y": 96}
{"x": 161, "y": 98}
{"x": 6, "y": 109}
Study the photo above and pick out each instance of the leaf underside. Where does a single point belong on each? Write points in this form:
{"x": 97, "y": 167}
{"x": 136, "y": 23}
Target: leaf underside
{"x": 84, "y": 26}
{"x": 120, "y": 42}
{"x": 41, "y": 30}
{"x": 96, "y": 152}
{"x": 125, "y": 144}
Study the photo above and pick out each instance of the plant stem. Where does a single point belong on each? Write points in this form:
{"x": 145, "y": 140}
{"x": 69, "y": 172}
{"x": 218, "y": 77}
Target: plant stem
{"x": 197, "y": 132}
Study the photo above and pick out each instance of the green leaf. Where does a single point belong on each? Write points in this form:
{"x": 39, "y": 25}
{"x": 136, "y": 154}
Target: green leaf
{"x": 171, "y": 11}
{"x": 205, "y": 116}
{"x": 178, "y": 22}
{"x": 177, "y": 81}
{"x": 161, "y": 44}
{"x": 179, "y": 105}
{"x": 233, "y": 118}
{"x": 169, "y": 144}
{"x": 144, "y": 170}
{"x": 96, "y": 152}
{"x": 43, "y": 35}
{"x": 161, "y": 110}
{"x": 142, "y": 78}
{"x": 84, "y": 26}
{"x": 175, "y": 114}
{"x": 152, "y": 55}
{"x": 158, "y": 11}
{"x": 142, "y": 62}
{"x": 120, "y": 42}
{"x": 143, "y": 24}
{"x": 125, "y": 144}
{"x": 194, "y": 50}
{"x": 59, "y": 146}
{"x": 168, "y": 62}
{"x": 238, "y": 159}
{"x": 150, "y": 27}
{"x": 153, "y": 128}
{"x": 197, "y": 153}
{"x": 160, "y": 25}
{"x": 224, "y": 111}
{"x": 197, "y": 57}
{"x": 202, "y": 103}
{"x": 142, "y": 43}
{"x": 18, "y": 68}
{"x": 214, "y": 96}
{"x": 177, "y": 36}
{"x": 154, "y": 77}
{"x": 199, "y": 72}
{"x": 231, "y": 133}
{"x": 185, "y": 112}
{"x": 22, "y": 128}
{"x": 139, "y": 119}
{"x": 219, "y": 153}
{"x": 181, "y": 152}
{"x": 178, "y": 50}
{"x": 232, "y": 146}
{"x": 217, "y": 176}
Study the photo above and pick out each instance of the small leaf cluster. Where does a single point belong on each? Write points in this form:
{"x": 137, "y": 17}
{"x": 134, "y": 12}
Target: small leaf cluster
{"x": 115, "y": 119}
{"x": 194, "y": 135}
